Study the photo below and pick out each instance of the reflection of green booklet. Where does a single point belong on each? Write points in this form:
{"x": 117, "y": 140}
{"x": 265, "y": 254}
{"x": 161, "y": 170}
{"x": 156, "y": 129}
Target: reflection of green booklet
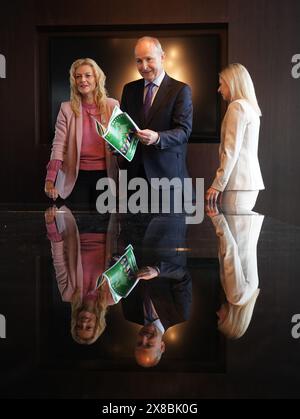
{"x": 121, "y": 277}
{"x": 120, "y": 133}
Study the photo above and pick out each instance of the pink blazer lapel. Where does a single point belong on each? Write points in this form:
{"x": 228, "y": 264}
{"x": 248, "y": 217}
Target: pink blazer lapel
{"x": 79, "y": 133}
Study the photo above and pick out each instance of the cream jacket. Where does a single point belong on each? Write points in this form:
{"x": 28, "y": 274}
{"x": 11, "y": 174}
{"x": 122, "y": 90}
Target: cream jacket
{"x": 238, "y": 236}
{"x": 239, "y": 167}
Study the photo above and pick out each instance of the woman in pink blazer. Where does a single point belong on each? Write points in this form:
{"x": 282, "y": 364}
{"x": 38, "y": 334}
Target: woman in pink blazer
{"x": 238, "y": 177}
{"x": 79, "y": 157}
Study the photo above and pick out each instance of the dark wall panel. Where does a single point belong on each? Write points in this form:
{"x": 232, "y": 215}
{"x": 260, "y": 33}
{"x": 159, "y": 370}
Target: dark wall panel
{"x": 264, "y": 35}
{"x": 18, "y": 157}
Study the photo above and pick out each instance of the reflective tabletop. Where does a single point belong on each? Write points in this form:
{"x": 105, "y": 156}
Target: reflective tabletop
{"x": 225, "y": 295}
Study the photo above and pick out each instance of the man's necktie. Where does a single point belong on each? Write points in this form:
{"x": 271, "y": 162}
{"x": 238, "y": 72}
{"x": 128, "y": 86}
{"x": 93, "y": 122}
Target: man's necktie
{"x": 148, "y": 99}
{"x": 149, "y": 312}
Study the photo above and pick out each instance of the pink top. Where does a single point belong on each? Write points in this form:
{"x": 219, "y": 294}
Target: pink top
{"x": 93, "y": 259}
{"x": 92, "y": 250}
{"x": 92, "y": 154}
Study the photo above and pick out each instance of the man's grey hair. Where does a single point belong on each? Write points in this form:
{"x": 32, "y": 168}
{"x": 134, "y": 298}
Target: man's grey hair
{"x": 153, "y": 40}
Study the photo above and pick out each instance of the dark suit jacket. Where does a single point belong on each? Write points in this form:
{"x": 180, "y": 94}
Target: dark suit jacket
{"x": 171, "y": 292}
{"x": 163, "y": 242}
{"x": 157, "y": 240}
{"x": 171, "y": 298}
{"x": 171, "y": 116}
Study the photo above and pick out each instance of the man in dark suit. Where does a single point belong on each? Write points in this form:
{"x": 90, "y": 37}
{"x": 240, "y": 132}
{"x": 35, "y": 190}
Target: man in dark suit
{"x": 162, "y": 107}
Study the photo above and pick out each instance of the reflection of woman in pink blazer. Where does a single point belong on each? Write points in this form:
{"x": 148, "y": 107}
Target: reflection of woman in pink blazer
{"x": 79, "y": 157}
{"x": 79, "y": 261}
{"x": 238, "y": 177}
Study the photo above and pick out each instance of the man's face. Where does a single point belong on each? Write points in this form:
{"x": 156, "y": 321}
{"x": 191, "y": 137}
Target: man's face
{"x": 149, "y": 60}
{"x": 149, "y": 345}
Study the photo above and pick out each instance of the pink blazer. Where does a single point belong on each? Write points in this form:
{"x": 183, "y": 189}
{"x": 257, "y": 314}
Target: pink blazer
{"x": 66, "y": 254}
{"x": 67, "y": 146}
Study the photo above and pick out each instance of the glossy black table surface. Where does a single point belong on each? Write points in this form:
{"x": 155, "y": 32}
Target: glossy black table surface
{"x": 39, "y": 358}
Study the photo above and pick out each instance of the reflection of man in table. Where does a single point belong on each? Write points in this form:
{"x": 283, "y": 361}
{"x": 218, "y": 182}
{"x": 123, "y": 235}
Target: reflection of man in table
{"x": 164, "y": 299}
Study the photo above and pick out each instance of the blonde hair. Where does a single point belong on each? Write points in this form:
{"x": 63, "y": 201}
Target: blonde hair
{"x": 238, "y": 318}
{"x": 99, "y": 311}
{"x": 100, "y": 94}
{"x": 240, "y": 84}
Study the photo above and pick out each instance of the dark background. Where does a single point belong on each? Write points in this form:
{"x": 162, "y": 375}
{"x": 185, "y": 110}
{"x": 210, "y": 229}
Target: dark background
{"x": 194, "y": 59}
{"x": 262, "y": 34}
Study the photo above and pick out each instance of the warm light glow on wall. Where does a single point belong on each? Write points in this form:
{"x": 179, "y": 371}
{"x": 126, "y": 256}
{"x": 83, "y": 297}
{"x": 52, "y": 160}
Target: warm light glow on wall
{"x": 175, "y": 335}
{"x": 133, "y": 74}
{"x": 173, "y": 52}
{"x": 174, "y": 62}
{"x": 172, "y": 336}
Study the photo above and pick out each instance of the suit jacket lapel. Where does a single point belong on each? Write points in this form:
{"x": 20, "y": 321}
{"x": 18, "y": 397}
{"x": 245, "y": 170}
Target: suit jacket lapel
{"x": 138, "y": 116}
{"x": 159, "y": 98}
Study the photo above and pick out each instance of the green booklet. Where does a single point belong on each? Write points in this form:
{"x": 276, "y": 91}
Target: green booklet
{"x": 121, "y": 277}
{"x": 120, "y": 133}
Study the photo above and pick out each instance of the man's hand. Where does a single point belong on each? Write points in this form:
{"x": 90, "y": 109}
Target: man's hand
{"x": 147, "y": 272}
{"x": 147, "y": 136}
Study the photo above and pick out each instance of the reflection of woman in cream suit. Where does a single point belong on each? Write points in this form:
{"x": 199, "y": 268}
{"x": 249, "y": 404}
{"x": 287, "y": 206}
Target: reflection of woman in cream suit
{"x": 238, "y": 176}
{"x": 238, "y": 236}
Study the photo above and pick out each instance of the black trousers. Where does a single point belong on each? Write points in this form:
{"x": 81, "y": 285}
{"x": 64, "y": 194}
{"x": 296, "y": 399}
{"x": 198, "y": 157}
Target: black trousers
{"x": 84, "y": 194}
{"x": 159, "y": 195}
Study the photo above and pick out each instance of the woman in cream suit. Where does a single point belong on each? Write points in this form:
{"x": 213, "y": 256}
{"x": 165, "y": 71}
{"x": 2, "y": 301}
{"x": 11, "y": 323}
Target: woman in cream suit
{"x": 79, "y": 157}
{"x": 238, "y": 177}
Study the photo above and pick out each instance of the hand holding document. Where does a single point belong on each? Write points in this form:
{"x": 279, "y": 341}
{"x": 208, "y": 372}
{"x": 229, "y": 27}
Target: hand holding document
{"x": 120, "y": 133}
{"x": 121, "y": 277}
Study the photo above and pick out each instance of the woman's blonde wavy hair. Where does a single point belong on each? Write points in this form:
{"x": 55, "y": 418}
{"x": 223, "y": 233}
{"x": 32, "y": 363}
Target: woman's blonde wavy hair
{"x": 100, "y": 94}
{"x": 238, "y": 318}
{"x": 240, "y": 84}
{"x": 99, "y": 311}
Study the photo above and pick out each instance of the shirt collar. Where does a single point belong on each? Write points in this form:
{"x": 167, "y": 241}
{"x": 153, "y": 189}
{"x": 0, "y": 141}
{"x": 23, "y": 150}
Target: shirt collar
{"x": 158, "y": 324}
{"x": 156, "y": 81}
